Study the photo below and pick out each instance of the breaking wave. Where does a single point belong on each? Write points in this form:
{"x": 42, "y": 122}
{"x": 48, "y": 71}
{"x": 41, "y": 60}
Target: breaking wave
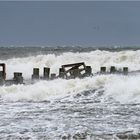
{"x": 124, "y": 89}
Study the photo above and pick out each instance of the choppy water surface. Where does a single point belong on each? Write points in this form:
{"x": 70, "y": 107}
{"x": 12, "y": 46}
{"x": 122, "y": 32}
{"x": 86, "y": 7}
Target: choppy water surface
{"x": 83, "y": 116}
{"x": 99, "y": 107}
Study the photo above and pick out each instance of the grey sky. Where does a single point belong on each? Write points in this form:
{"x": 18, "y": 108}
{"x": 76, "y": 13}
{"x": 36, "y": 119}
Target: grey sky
{"x": 69, "y": 23}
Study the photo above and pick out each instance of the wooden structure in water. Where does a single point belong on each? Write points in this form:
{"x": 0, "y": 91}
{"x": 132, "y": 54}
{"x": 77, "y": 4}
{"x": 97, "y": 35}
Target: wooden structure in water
{"x": 68, "y": 71}
{"x": 17, "y": 79}
{"x": 75, "y": 70}
{"x": 2, "y": 73}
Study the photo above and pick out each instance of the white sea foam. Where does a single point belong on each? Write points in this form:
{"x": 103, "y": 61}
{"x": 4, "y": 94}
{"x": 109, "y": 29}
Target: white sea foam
{"x": 45, "y": 90}
{"x": 95, "y": 59}
{"x": 121, "y": 88}
{"x": 124, "y": 89}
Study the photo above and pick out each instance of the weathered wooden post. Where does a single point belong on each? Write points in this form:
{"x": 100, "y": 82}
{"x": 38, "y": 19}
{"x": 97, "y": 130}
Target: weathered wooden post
{"x": 61, "y": 73}
{"x": 112, "y": 69}
{"x": 3, "y": 70}
{"x": 76, "y": 73}
{"x": 88, "y": 70}
{"x": 102, "y": 69}
{"x": 2, "y": 74}
{"x": 18, "y": 78}
{"x": 35, "y": 73}
{"x": 1, "y": 78}
{"x": 46, "y": 73}
{"x": 125, "y": 70}
{"x": 53, "y": 76}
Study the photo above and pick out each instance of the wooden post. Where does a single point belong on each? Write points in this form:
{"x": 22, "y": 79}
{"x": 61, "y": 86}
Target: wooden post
{"x": 1, "y": 78}
{"x": 35, "y": 73}
{"x": 18, "y": 78}
{"x": 125, "y": 70}
{"x": 17, "y": 74}
{"x": 46, "y": 73}
{"x": 76, "y": 73}
{"x": 3, "y": 70}
{"x": 88, "y": 70}
{"x": 53, "y": 76}
{"x": 1, "y": 74}
{"x": 61, "y": 73}
{"x": 112, "y": 69}
{"x": 102, "y": 69}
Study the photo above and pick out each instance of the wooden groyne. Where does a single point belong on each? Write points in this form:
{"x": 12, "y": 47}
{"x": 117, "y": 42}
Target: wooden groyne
{"x": 68, "y": 71}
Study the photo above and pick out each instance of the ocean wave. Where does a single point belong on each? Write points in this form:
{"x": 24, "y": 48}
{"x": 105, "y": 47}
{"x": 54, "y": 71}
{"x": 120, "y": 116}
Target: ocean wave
{"x": 121, "y": 88}
{"x": 95, "y": 59}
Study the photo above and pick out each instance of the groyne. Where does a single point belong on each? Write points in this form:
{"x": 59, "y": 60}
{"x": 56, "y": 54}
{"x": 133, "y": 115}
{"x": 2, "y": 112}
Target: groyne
{"x": 68, "y": 71}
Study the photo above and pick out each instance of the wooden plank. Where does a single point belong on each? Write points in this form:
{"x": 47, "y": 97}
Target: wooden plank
{"x": 71, "y": 65}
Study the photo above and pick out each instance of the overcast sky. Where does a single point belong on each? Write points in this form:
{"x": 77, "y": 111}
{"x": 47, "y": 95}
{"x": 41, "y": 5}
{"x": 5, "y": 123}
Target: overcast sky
{"x": 70, "y": 23}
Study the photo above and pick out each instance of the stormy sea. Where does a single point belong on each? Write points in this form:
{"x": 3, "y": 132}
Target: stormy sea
{"x": 99, "y": 107}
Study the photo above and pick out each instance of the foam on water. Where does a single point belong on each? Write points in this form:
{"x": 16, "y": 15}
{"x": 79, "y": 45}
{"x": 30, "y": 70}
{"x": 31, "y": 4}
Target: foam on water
{"x": 45, "y": 90}
{"x": 121, "y": 88}
{"x": 95, "y": 59}
{"x": 97, "y": 107}
{"x": 124, "y": 89}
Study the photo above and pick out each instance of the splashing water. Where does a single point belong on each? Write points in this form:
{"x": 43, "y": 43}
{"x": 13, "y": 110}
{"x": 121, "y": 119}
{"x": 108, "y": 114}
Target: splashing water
{"x": 97, "y": 107}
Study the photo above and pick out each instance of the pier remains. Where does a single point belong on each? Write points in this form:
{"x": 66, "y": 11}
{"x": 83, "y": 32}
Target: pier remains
{"x": 68, "y": 71}
{"x": 75, "y": 70}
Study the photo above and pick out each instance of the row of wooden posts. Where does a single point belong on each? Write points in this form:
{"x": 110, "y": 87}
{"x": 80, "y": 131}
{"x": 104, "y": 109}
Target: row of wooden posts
{"x": 76, "y": 73}
{"x": 114, "y": 70}
{"x": 50, "y": 76}
{"x": 69, "y": 71}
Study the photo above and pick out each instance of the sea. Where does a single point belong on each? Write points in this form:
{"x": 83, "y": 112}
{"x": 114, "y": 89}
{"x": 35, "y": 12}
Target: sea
{"x": 98, "y": 107}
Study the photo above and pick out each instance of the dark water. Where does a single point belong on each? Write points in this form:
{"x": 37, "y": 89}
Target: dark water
{"x": 9, "y": 52}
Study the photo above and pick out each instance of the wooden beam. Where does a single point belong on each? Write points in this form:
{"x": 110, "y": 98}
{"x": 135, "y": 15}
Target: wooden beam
{"x": 74, "y": 64}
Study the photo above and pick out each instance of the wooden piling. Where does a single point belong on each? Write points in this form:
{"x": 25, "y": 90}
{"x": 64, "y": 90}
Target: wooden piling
{"x": 1, "y": 74}
{"x": 88, "y": 70}
{"x": 102, "y": 69}
{"x": 35, "y": 73}
{"x": 125, "y": 70}
{"x": 1, "y": 78}
{"x": 2, "y": 81}
{"x": 53, "y": 76}
{"x": 76, "y": 73}
{"x": 112, "y": 69}
{"x": 46, "y": 73}
{"x": 18, "y": 79}
{"x": 17, "y": 74}
{"x": 61, "y": 73}
{"x": 3, "y": 70}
